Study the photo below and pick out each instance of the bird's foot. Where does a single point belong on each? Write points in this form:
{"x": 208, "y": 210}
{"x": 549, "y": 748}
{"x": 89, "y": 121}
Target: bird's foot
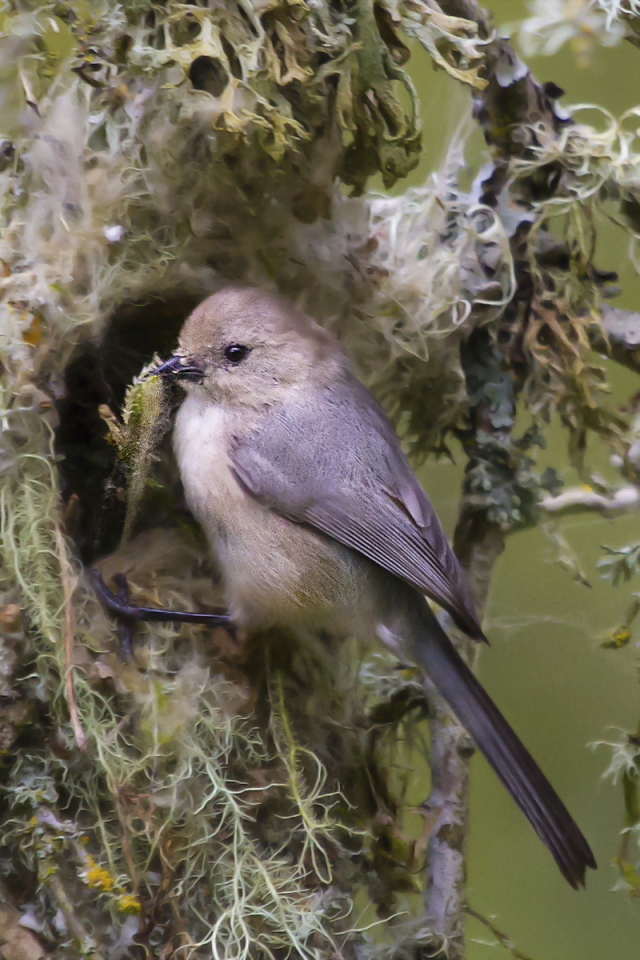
{"x": 128, "y": 614}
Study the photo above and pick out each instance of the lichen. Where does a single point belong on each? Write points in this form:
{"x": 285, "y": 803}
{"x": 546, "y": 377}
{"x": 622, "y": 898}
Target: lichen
{"x": 136, "y": 437}
{"x": 584, "y": 25}
{"x": 209, "y": 798}
{"x": 184, "y": 797}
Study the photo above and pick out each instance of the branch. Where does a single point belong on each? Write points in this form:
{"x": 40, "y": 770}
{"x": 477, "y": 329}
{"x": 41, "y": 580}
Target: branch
{"x": 451, "y": 750}
{"x": 48, "y": 867}
{"x": 622, "y": 341}
{"x": 504, "y": 109}
{"x": 579, "y": 499}
{"x": 513, "y": 98}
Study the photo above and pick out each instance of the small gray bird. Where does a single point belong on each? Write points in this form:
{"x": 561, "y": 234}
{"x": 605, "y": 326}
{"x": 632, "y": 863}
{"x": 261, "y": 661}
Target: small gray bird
{"x": 317, "y": 522}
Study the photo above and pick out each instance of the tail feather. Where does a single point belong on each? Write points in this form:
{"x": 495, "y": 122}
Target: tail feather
{"x": 510, "y": 759}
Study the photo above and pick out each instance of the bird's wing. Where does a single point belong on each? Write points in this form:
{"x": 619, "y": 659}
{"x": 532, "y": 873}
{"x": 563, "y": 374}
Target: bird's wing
{"x": 334, "y": 462}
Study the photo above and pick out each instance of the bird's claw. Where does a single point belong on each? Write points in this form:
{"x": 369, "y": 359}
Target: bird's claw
{"x": 128, "y": 614}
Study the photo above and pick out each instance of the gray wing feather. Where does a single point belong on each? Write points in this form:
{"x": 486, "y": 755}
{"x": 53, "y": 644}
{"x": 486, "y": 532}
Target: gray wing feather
{"x": 335, "y": 462}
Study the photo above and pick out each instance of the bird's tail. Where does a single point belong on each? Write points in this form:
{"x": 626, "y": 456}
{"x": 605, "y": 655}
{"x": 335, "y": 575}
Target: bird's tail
{"x": 510, "y": 759}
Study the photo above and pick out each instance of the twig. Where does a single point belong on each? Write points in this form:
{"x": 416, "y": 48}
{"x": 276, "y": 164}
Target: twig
{"x": 49, "y": 876}
{"x": 621, "y": 341}
{"x": 579, "y": 499}
{"x": 501, "y": 937}
{"x": 67, "y": 590}
{"x": 75, "y": 925}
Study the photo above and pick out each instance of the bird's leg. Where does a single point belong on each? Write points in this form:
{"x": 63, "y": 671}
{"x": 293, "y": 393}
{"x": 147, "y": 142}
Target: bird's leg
{"x": 128, "y": 614}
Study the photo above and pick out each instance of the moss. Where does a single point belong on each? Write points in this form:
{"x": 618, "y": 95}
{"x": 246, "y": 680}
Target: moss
{"x": 143, "y": 414}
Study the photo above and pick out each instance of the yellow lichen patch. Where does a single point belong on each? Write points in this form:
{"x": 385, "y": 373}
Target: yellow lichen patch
{"x": 33, "y": 333}
{"x": 96, "y": 876}
{"x": 616, "y": 638}
{"x": 128, "y": 903}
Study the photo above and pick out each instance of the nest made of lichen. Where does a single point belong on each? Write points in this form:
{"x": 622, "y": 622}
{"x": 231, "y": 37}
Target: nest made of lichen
{"x": 153, "y": 152}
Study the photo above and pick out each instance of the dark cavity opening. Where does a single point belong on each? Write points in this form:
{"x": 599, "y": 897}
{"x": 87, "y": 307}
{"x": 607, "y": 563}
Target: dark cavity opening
{"x": 96, "y": 380}
{"x": 208, "y": 74}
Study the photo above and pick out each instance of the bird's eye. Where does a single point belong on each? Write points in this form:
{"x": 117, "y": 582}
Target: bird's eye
{"x": 235, "y": 352}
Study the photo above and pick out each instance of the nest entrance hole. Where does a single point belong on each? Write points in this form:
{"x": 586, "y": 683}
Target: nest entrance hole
{"x": 208, "y": 74}
{"x": 95, "y": 381}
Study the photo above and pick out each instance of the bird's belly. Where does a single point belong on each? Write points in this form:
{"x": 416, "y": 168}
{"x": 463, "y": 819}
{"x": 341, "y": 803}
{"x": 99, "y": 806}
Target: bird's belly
{"x": 274, "y": 572}
{"x": 277, "y": 573}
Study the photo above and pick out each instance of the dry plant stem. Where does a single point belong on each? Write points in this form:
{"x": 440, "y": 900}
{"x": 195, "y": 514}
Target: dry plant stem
{"x": 49, "y": 875}
{"x": 127, "y": 849}
{"x": 501, "y": 937}
{"x": 74, "y": 924}
{"x": 67, "y": 589}
{"x": 48, "y": 866}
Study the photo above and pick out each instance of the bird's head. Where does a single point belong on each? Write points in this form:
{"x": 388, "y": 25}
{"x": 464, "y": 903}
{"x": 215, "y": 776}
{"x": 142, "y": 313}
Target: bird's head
{"x": 243, "y": 346}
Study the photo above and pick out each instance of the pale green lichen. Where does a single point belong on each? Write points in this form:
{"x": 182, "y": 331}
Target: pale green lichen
{"x": 553, "y": 23}
{"x": 618, "y": 9}
{"x": 143, "y": 418}
{"x": 454, "y": 43}
{"x": 235, "y": 896}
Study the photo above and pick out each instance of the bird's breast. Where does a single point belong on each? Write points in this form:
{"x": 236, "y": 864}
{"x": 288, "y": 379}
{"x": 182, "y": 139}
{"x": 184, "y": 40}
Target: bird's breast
{"x": 274, "y": 572}
{"x": 200, "y": 442}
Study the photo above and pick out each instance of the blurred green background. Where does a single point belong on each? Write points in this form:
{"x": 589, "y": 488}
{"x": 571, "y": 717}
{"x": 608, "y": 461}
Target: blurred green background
{"x": 546, "y": 668}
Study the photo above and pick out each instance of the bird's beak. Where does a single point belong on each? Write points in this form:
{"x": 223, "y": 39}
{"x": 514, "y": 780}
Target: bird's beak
{"x": 179, "y": 368}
